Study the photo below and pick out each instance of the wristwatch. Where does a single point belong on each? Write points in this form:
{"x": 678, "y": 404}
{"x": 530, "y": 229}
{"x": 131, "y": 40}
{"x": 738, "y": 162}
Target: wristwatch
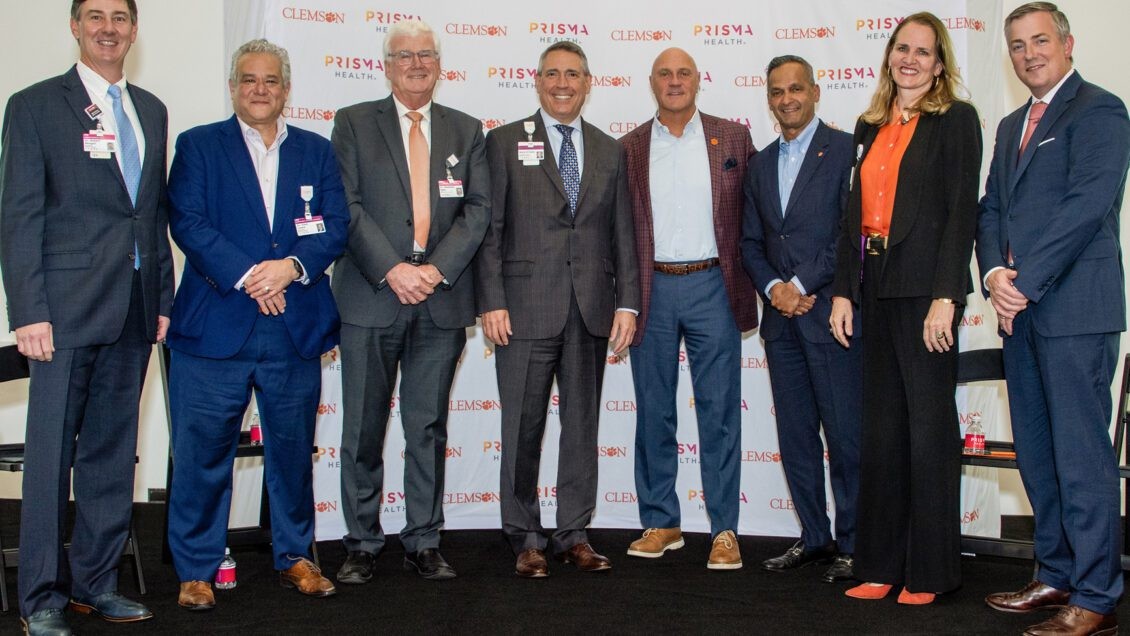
{"x": 298, "y": 268}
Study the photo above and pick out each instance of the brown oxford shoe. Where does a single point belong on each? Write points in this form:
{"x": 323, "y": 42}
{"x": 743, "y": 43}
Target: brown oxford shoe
{"x": 307, "y": 578}
{"x": 531, "y": 564}
{"x": 585, "y": 558}
{"x": 196, "y": 596}
{"x": 1076, "y": 621}
{"x": 1034, "y": 596}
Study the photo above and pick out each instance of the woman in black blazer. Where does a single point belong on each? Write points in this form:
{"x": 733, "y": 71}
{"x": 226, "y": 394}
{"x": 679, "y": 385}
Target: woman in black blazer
{"x": 906, "y": 267}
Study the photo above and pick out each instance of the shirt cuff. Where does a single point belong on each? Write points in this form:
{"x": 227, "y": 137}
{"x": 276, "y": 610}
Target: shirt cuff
{"x": 796, "y": 281}
{"x": 770, "y": 286}
{"x": 632, "y": 311}
{"x": 239, "y": 283}
{"x": 985, "y": 278}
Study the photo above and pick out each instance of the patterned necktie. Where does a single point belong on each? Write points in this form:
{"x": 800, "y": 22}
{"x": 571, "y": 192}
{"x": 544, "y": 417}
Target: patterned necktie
{"x": 570, "y": 171}
{"x": 418, "y": 173}
{"x": 1034, "y": 114}
{"x": 128, "y": 154}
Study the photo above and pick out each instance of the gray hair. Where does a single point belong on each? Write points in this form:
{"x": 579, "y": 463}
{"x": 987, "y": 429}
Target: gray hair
{"x": 261, "y": 46}
{"x": 409, "y": 28}
{"x": 781, "y": 60}
{"x": 1062, "y": 26}
{"x": 565, "y": 45}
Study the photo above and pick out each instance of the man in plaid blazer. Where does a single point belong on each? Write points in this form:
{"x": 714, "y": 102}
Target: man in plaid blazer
{"x": 685, "y": 173}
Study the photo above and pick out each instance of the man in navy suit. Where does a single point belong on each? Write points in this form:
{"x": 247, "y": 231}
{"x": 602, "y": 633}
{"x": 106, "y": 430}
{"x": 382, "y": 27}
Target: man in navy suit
{"x": 88, "y": 274}
{"x": 258, "y": 209}
{"x": 794, "y": 193}
{"x": 1048, "y": 249}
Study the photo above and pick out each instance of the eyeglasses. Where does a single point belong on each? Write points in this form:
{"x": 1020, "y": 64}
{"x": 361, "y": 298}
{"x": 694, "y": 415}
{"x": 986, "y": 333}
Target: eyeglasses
{"x": 404, "y": 58}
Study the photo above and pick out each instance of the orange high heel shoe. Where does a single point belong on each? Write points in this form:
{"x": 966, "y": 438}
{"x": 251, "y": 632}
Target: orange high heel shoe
{"x": 869, "y": 591}
{"x": 907, "y": 597}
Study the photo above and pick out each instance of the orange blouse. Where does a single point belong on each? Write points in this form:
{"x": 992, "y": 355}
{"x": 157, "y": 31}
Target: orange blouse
{"x": 879, "y": 174}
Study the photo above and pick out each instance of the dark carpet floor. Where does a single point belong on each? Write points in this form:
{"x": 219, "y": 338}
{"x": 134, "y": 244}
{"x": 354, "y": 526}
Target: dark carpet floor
{"x": 675, "y": 594}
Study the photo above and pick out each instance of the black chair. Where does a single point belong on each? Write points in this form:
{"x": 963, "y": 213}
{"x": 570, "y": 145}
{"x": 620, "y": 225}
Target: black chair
{"x": 14, "y": 366}
{"x": 981, "y": 365}
{"x": 987, "y": 365}
{"x": 257, "y": 535}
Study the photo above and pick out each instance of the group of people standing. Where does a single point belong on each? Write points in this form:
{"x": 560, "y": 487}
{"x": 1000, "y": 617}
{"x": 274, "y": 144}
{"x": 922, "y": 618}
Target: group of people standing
{"x": 567, "y": 243}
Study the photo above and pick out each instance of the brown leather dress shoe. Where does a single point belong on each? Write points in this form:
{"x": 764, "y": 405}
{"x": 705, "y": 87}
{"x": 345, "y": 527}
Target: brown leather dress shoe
{"x": 307, "y": 578}
{"x": 196, "y": 596}
{"x": 531, "y": 564}
{"x": 1034, "y": 596}
{"x": 585, "y": 558}
{"x": 1076, "y": 621}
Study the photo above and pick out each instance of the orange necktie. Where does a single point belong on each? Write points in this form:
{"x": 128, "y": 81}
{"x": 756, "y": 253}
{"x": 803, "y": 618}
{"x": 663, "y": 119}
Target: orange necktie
{"x": 1034, "y": 115}
{"x": 418, "y": 171}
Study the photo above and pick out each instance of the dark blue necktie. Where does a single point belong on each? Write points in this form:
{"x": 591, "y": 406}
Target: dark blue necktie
{"x": 570, "y": 170}
{"x": 130, "y": 157}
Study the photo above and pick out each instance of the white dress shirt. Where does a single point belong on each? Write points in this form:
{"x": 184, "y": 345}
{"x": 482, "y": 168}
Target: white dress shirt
{"x": 96, "y": 87}
{"x": 682, "y": 199}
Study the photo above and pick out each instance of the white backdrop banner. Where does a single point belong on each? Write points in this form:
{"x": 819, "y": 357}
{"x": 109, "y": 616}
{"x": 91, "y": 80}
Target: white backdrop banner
{"x": 489, "y": 60}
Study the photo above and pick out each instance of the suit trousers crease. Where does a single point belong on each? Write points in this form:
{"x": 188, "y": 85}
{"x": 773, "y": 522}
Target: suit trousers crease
{"x": 818, "y": 385}
{"x": 427, "y": 357}
{"x": 694, "y": 308}
{"x": 208, "y": 398}
{"x": 1059, "y": 398}
{"x": 526, "y": 370}
{"x": 910, "y": 460}
{"x": 82, "y": 412}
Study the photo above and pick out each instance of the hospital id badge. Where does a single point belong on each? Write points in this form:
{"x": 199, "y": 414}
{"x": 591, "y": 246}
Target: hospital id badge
{"x": 450, "y": 189}
{"x": 531, "y": 153}
{"x": 100, "y": 144}
{"x": 307, "y": 226}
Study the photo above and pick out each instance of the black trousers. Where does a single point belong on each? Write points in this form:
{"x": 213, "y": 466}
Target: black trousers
{"x": 908, "y": 528}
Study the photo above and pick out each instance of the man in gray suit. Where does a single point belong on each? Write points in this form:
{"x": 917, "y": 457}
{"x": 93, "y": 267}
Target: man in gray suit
{"x": 415, "y": 176}
{"x": 88, "y": 273}
{"x": 556, "y": 280}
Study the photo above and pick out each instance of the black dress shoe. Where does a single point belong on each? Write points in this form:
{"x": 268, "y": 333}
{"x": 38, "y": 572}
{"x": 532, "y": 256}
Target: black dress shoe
{"x": 112, "y": 607}
{"x": 430, "y": 564}
{"x": 842, "y": 569}
{"x": 357, "y": 569}
{"x": 799, "y": 556}
{"x": 47, "y": 622}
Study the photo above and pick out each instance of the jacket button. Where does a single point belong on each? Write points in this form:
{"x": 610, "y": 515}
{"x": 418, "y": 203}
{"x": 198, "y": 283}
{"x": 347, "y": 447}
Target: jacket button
{"x": 132, "y": 256}
{"x": 274, "y": 246}
{"x": 409, "y": 222}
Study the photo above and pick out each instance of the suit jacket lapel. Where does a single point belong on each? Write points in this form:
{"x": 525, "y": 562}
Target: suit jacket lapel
{"x": 812, "y": 160}
{"x": 79, "y": 99}
{"x": 441, "y": 149}
{"x": 148, "y": 118}
{"x": 642, "y": 176}
{"x": 287, "y": 187}
{"x": 549, "y": 164}
{"x": 773, "y": 191}
{"x": 236, "y": 150}
{"x": 1055, "y": 109}
{"x": 714, "y": 158}
{"x": 589, "y": 170}
{"x": 389, "y": 123}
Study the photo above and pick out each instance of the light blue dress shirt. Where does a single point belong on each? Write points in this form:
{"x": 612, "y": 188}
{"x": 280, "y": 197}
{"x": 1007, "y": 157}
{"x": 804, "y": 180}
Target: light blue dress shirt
{"x": 682, "y": 202}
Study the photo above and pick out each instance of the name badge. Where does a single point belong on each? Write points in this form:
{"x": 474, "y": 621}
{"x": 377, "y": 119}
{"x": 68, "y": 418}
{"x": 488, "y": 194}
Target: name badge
{"x": 307, "y": 226}
{"x": 100, "y": 144}
{"x": 450, "y": 189}
{"x": 530, "y": 153}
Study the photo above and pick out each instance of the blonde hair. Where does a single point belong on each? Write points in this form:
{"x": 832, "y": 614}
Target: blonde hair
{"x": 941, "y": 95}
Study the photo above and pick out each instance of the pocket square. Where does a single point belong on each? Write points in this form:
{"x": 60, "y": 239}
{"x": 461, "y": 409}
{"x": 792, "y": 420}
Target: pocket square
{"x": 1046, "y": 141}
{"x": 730, "y": 163}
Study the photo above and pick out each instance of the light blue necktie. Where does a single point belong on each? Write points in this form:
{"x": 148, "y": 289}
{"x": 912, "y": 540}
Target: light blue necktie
{"x": 131, "y": 159}
{"x": 570, "y": 171}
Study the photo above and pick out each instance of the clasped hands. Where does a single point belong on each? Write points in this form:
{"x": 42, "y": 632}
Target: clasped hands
{"x": 412, "y": 284}
{"x": 267, "y": 284}
{"x": 787, "y": 299}
{"x": 1006, "y": 299}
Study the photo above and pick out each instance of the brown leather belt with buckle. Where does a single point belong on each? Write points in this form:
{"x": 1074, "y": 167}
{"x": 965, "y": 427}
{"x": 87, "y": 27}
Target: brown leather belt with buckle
{"x": 415, "y": 259}
{"x": 874, "y": 243}
{"x": 682, "y": 269}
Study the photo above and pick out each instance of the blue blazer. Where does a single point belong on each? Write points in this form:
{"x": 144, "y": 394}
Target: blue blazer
{"x": 1057, "y": 208}
{"x": 801, "y": 242}
{"x": 219, "y": 221}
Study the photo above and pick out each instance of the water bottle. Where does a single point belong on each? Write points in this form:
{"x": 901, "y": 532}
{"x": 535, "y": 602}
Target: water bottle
{"x": 256, "y": 431}
{"x": 974, "y": 437}
{"x": 225, "y": 575}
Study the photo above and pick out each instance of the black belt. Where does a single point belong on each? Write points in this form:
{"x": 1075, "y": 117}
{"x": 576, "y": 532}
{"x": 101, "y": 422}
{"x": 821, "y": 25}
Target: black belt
{"x": 682, "y": 269}
{"x": 415, "y": 259}
{"x": 874, "y": 243}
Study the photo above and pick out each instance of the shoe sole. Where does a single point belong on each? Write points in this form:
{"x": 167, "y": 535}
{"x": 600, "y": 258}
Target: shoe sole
{"x": 534, "y": 575}
{"x": 287, "y": 584}
{"x": 438, "y": 576}
{"x": 197, "y": 607}
{"x": 797, "y": 567}
{"x": 353, "y": 579}
{"x": 674, "y": 545}
{"x": 90, "y": 609}
{"x": 724, "y": 566}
